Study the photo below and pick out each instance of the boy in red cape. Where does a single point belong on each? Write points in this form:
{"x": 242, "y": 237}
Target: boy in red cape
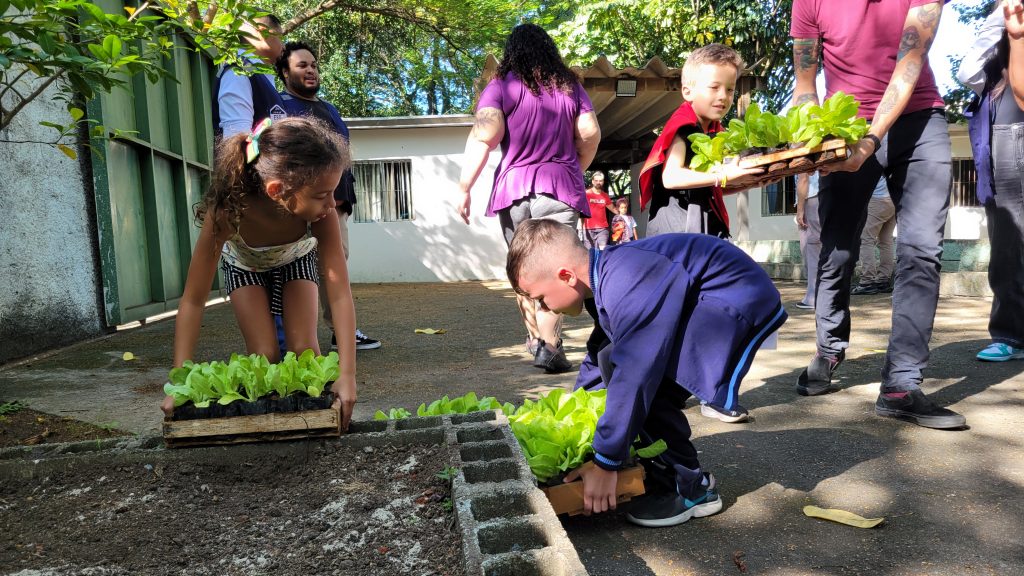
{"x": 684, "y": 200}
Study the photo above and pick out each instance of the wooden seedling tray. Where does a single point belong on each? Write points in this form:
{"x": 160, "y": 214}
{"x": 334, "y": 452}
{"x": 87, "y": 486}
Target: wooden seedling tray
{"x": 259, "y": 428}
{"x": 568, "y": 498}
{"x": 796, "y": 160}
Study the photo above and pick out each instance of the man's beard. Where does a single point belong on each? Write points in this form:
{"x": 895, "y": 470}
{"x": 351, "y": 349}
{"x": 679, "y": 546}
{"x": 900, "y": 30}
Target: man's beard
{"x": 302, "y": 90}
{"x": 597, "y": 186}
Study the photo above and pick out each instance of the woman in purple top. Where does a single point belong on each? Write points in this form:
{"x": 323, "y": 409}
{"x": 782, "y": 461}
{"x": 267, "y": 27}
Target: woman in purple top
{"x": 537, "y": 110}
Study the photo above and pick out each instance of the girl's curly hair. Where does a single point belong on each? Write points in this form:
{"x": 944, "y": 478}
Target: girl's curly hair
{"x": 531, "y": 54}
{"x": 294, "y": 151}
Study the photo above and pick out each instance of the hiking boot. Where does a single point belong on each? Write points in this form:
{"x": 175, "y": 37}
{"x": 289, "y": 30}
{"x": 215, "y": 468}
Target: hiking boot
{"x": 914, "y": 406}
{"x": 661, "y": 509}
{"x": 999, "y": 352}
{"x": 552, "y": 362}
{"x": 740, "y": 414}
{"x": 364, "y": 342}
{"x": 816, "y": 379}
{"x": 865, "y": 289}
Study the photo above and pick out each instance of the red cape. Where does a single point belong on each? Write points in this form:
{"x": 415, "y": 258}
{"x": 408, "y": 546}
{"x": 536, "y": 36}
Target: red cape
{"x": 650, "y": 174}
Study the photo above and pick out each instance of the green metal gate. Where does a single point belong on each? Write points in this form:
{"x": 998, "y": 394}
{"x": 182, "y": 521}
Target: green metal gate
{"x": 147, "y": 180}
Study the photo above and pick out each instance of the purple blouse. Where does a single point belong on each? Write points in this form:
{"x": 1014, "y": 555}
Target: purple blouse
{"x": 539, "y": 146}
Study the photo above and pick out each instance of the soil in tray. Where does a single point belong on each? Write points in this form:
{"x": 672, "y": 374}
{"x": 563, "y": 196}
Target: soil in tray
{"x": 334, "y": 510}
{"x": 26, "y": 426}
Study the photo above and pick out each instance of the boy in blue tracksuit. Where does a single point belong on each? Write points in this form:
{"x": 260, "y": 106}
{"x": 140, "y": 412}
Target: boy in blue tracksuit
{"x": 684, "y": 314}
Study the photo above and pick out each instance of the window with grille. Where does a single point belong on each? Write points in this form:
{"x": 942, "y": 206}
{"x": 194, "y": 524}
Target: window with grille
{"x": 779, "y": 198}
{"x": 964, "y": 185}
{"x": 383, "y": 190}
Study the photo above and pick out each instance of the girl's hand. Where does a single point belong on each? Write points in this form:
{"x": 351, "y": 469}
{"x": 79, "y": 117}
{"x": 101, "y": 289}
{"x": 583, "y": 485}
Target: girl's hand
{"x": 463, "y": 208}
{"x": 598, "y": 488}
{"x": 167, "y": 405}
{"x": 344, "y": 389}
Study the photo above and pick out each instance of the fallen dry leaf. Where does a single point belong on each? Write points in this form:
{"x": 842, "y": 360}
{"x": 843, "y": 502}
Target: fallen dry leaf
{"x": 37, "y": 438}
{"x": 430, "y": 331}
{"x": 842, "y": 516}
{"x": 737, "y": 559}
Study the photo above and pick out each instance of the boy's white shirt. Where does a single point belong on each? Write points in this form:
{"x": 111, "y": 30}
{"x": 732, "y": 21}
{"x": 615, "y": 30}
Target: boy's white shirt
{"x": 234, "y": 99}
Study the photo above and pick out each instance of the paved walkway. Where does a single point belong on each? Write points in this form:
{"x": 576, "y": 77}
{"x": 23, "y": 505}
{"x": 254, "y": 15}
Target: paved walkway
{"x": 952, "y": 500}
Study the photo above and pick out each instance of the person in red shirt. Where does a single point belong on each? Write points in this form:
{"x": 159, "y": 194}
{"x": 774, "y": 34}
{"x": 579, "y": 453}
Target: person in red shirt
{"x": 595, "y": 228}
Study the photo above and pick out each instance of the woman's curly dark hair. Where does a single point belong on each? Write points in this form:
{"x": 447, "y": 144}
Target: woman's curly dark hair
{"x": 295, "y": 151}
{"x": 531, "y": 54}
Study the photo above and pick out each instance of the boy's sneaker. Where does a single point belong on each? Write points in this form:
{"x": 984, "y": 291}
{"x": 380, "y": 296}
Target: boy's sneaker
{"x": 804, "y": 305}
{"x": 816, "y": 379}
{"x": 999, "y": 352}
{"x": 915, "y": 407}
{"x": 364, "y": 342}
{"x": 740, "y": 414}
{"x": 552, "y": 362}
{"x": 663, "y": 509}
{"x": 865, "y": 289}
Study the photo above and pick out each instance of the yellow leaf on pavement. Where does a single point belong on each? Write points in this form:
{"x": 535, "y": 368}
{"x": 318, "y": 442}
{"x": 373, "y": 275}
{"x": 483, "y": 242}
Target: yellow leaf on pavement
{"x": 128, "y": 356}
{"x": 842, "y": 516}
{"x": 430, "y": 331}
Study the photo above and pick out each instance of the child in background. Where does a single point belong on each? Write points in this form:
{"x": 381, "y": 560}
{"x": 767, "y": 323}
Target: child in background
{"x": 268, "y": 216}
{"x": 623, "y": 225}
{"x": 684, "y": 200}
{"x": 683, "y": 314}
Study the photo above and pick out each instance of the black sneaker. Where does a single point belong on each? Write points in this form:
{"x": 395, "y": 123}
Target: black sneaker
{"x": 364, "y": 342}
{"x": 805, "y": 305}
{"x": 661, "y": 509}
{"x": 816, "y": 379}
{"x": 884, "y": 287}
{"x": 917, "y": 408}
{"x": 552, "y": 362}
{"x": 865, "y": 289}
{"x": 740, "y": 414}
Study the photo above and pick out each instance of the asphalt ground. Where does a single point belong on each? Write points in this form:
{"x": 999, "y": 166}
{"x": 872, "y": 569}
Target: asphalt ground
{"x": 952, "y": 500}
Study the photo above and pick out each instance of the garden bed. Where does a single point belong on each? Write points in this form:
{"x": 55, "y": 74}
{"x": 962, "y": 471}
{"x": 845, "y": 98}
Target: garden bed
{"x": 300, "y": 509}
{"x": 20, "y": 426}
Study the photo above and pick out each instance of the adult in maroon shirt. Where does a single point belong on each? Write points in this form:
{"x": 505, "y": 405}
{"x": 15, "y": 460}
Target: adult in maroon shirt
{"x": 877, "y": 50}
{"x": 595, "y": 228}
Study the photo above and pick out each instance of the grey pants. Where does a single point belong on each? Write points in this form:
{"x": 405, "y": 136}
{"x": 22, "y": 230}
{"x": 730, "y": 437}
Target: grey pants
{"x": 540, "y": 206}
{"x": 810, "y": 247}
{"x": 1006, "y": 235}
{"x": 915, "y": 158}
{"x": 877, "y": 234}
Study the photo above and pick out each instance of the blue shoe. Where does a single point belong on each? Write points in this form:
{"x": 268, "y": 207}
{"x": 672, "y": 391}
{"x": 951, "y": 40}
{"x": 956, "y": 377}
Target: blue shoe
{"x": 999, "y": 352}
{"x": 659, "y": 510}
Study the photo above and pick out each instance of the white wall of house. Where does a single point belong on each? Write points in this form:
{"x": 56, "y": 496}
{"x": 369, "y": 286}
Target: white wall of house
{"x": 50, "y": 274}
{"x": 437, "y": 246}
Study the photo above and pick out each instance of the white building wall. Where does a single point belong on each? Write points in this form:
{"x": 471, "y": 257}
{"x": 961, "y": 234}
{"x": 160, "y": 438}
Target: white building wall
{"x": 435, "y": 245}
{"x": 48, "y": 266}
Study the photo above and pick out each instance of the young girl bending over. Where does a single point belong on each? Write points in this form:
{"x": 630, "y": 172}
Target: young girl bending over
{"x": 268, "y": 217}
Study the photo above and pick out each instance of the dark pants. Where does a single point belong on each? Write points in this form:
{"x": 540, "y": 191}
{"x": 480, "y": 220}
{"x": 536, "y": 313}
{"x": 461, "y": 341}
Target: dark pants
{"x": 915, "y": 159}
{"x": 595, "y": 238}
{"x": 677, "y": 467}
{"x": 810, "y": 247}
{"x": 1006, "y": 235}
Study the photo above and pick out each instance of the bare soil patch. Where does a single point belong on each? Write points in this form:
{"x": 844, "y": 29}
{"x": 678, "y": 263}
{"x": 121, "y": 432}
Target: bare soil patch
{"x": 28, "y": 427}
{"x": 332, "y": 509}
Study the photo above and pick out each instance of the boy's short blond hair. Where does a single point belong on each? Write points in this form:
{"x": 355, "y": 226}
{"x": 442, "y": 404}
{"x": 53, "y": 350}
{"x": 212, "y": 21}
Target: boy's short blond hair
{"x": 539, "y": 244}
{"x": 717, "y": 54}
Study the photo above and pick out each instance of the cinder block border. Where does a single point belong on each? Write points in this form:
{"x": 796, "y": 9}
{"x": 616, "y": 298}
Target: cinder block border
{"x": 507, "y": 525}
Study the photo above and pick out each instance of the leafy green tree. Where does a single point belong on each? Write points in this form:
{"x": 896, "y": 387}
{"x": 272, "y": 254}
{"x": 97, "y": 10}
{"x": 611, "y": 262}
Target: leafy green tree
{"x": 83, "y": 50}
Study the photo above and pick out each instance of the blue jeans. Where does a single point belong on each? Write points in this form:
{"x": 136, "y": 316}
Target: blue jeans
{"x": 915, "y": 158}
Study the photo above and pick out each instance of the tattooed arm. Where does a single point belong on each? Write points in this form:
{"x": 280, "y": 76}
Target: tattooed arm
{"x": 918, "y": 33}
{"x": 806, "y": 61}
{"x": 488, "y": 130}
